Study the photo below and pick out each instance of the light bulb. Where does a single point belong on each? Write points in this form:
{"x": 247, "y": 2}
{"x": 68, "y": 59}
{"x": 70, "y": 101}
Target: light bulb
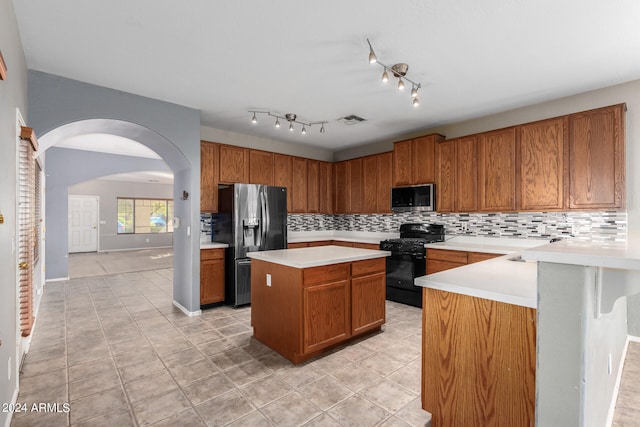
{"x": 416, "y": 102}
{"x": 400, "y": 84}
{"x": 277, "y": 123}
{"x": 322, "y": 128}
{"x": 254, "y": 119}
{"x": 385, "y": 76}
{"x": 414, "y": 92}
{"x": 372, "y": 55}
{"x": 290, "y": 127}
{"x": 304, "y": 130}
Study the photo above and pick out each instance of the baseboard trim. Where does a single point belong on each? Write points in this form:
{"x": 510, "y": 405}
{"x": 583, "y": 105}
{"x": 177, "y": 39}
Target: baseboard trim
{"x": 134, "y": 249}
{"x": 185, "y": 311}
{"x": 616, "y": 388}
{"x": 57, "y": 279}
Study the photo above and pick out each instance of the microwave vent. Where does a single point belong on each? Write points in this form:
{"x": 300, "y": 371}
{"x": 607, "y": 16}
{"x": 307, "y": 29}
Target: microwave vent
{"x": 351, "y": 120}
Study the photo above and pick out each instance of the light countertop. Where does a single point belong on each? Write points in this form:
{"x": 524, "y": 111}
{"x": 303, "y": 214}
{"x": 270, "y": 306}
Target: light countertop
{"x": 345, "y": 236}
{"x": 619, "y": 255}
{"x": 497, "y": 279}
{"x": 492, "y": 245}
{"x": 316, "y": 256}
{"x": 213, "y": 245}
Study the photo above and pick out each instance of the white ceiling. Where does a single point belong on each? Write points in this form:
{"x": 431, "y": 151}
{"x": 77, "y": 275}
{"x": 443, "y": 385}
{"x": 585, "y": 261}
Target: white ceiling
{"x": 147, "y": 177}
{"x": 224, "y": 58}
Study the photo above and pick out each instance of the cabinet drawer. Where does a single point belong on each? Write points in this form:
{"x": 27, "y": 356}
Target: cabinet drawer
{"x": 297, "y": 245}
{"x": 447, "y": 255}
{"x": 369, "y": 266}
{"x": 480, "y": 256}
{"x": 366, "y": 246}
{"x": 326, "y": 273}
{"x": 211, "y": 254}
{"x": 319, "y": 243}
{"x": 435, "y": 266}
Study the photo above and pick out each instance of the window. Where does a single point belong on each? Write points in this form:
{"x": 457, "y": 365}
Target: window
{"x": 136, "y": 216}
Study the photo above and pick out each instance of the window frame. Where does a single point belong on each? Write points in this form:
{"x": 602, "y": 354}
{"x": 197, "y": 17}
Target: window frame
{"x": 169, "y": 209}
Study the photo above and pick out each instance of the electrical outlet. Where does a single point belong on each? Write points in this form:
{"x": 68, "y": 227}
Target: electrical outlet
{"x": 269, "y": 280}
{"x": 542, "y": 228}
{"x": 609, "y": 364}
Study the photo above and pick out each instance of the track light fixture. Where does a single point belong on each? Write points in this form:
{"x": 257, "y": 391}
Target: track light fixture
{"x": 398, "y": 70}
{"x": 291, "y": 118}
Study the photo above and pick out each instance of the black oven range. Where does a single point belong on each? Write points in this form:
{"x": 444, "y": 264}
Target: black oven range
{"x": 408, "y": 260}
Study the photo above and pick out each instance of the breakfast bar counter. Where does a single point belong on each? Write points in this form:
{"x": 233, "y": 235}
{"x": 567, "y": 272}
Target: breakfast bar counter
{"x": 305, "y": 301}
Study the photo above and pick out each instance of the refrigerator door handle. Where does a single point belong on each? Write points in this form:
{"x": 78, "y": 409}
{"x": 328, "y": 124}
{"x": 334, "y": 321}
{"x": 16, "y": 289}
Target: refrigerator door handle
{"x": 264, "y": 220}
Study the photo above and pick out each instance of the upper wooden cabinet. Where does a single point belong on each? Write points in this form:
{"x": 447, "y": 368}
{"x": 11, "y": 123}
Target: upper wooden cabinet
{"x": 208, "y": 177}
{"x": 497, "y": 170}
{"x": 369, "y": 184}
{"x": 299, "y": 186}
{"x": 260, "y": 167}
{"x": 445, "y": 153}
{"x": 325, "y": 187}
{"x": 543, "y": 151}
{"x": 385, "y": 182}
{"x": 596, "y": 158}
{"x": 313, "y": 186}
{"x": 457, "y": 175}
{"x": 342, "y": 184}
{"x": 355, "y": 180}
{"x": 234, "y": 164}
{"x": 282, "y": 174}
{"x": 413, "y": 160}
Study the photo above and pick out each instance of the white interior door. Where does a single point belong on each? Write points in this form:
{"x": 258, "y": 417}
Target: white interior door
{"x": 83, "y": 224}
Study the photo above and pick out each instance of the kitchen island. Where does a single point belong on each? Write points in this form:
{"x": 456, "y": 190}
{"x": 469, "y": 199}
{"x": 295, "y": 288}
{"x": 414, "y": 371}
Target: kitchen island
{"x": 479, "y": 343}
{"x": 305, "y": 301}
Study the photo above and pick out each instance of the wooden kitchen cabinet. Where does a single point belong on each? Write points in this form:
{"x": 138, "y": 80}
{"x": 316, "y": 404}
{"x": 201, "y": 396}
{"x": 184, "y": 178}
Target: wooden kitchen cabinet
{"x": 282, "y": 174}
{"x": 325, "y": 187}
{"x": 356, "y": 184}
{"x": 497, "y": 170}
{"x": 208, "y": 176}
{"x": 596, "y": 159}
{"x": 342, "y": 184}
{"x": 211, "y": 276}
{"x": 385, "y": 182}
{"x": 445, "y": 152}
{"x": 446, "y": 259}
{"x": 414, "y": 160}
{"x": 299, "y": 186}
{"x": 456, "y": 175}
{"x": 369, "y": 184}
{"x": 368, "y": 293}
{"x": 233, "y": 164}
{"x": 260, "y": 167}
{"x": 313, "y": 186}
{"x": 543, "y": 151}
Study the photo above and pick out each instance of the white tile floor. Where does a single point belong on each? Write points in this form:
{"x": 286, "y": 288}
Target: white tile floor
{"x": 116, "y": 349}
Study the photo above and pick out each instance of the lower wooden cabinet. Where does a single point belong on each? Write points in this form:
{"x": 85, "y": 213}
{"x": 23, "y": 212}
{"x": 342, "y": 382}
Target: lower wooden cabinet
{"x": 446, "y": 259}
{"x": 211, "y": 276}
{"x": 326, "y": 313}
{"x": 368, "y": 293}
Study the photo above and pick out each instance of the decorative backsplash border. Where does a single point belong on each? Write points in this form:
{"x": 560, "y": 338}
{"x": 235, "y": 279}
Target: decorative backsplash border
{"x": 595, "y": 226}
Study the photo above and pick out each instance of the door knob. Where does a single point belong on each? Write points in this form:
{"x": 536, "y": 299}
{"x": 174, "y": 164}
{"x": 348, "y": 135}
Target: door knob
{"x": 23, "y": 265}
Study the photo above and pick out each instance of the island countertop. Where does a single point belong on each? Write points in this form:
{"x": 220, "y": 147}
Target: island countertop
{"x": 316, "y": 256}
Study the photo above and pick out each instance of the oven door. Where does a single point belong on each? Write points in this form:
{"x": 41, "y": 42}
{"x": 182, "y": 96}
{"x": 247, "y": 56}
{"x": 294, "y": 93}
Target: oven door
{"x": 403, "y": 268}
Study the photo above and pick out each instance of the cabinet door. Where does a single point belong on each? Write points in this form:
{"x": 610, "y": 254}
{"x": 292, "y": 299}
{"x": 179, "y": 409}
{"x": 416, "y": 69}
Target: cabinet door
{"x": 402, "y": 163}
{"x": 596, "y": 159}
{"x": 496, "y": 170}
{"x": 342, "y": 185}
{"x": 299, "y": 185}
{"x": 423, "y": 158}
{"x": 369, "y": 184}
{"x": 234, "y": 164}
{"x": 260, "y": 167}
{"x": 313, "y": 186}
{"x": 282, "y": 174}
{"x": 211, "y": 276}
{"x": 355, "y": 179}
{"x": 208, "y": 177}
{"x": 445, "y": 179}
{"x": 325, "y": 178}
{"x": 542, "y": 156}
{"x": 385, "y": 181}
{"x": 367, "y": 302}
{"x": 326, "y": 315}
{"x": 466, "y": 187}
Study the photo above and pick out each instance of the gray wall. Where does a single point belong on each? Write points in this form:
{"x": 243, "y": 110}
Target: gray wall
{"x": 108, "y": 193}
{"x": 87, "y": 165}
{"x": 172, "y": 131}
{"x": 13, "y": 94}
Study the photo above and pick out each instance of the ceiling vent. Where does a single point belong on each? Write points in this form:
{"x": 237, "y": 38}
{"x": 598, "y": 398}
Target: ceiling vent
{"x": 351, "y": 120}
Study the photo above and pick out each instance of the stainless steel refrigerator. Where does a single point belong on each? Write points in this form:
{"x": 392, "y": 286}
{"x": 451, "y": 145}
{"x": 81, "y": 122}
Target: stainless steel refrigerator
{"x": 251, "y": 218}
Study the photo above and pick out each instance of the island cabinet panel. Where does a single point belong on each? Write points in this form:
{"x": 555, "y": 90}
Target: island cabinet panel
{"x": 385, "y": 182}
{"x": 234, "y": 164}
{"x": 325, "y": 187}
{"x": 596, "y": 159}
{"x": 211, "y": 276}
{"x": 368, "y": 293}
{"x": 313, "y": 186}
{"x": 327, "y": 312}
{"x": 369, "y": 184}
{"x": 208, "y": 177}
{"x": 478, "y": 361}
{"x": 299, "y": 188}
{"x": 497, "y": 170}
{"x": 260, "y": 167}
{"x": 282, "y": 174}
{"x": 543, "y": 151}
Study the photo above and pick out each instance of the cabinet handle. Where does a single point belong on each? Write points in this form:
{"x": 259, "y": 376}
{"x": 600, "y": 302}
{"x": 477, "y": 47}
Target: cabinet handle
{"x": 23, "y": 265}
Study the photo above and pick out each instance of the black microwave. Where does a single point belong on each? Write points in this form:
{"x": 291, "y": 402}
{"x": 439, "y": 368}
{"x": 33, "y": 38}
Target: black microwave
{"x": 413, "y": 198}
